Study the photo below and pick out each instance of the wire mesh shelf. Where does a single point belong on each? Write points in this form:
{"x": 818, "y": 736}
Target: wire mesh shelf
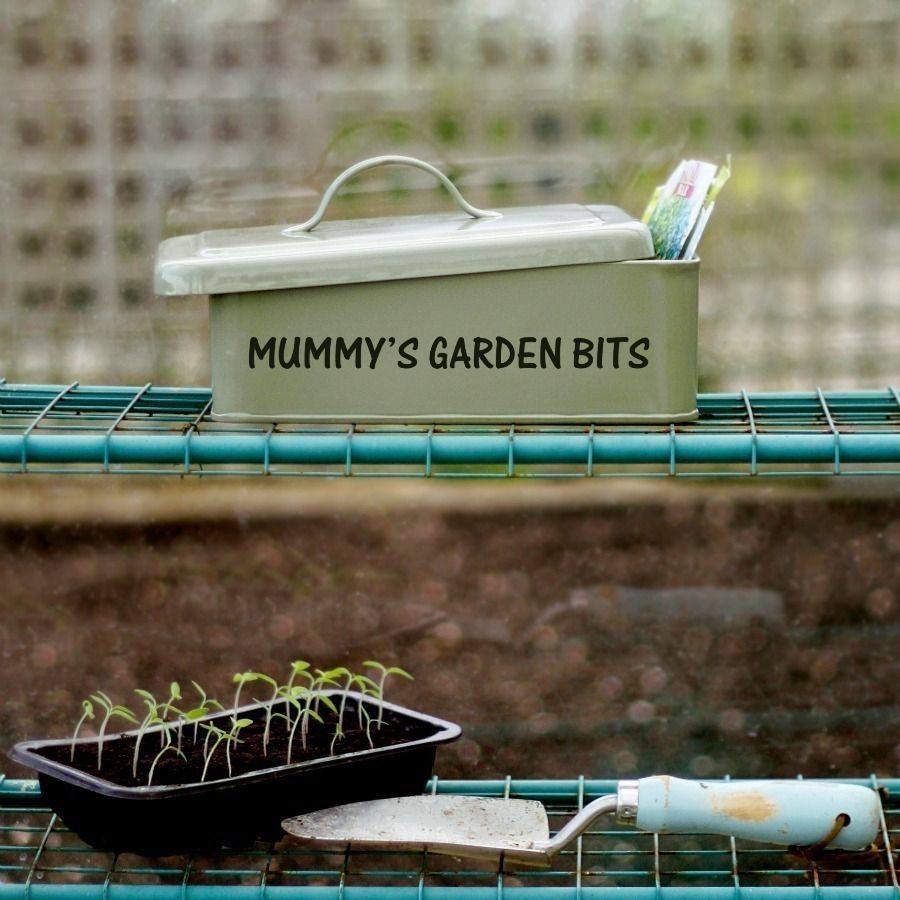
{"x": 153, "y": 430}
{"x": 39, "y": 857}
{"x": 158, "y": 430}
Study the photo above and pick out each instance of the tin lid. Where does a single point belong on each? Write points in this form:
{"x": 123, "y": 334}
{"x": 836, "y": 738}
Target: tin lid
{"x": 386, "y": 249}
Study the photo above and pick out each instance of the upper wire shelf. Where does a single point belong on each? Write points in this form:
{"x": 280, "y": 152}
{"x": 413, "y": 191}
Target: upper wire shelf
{"x": 82, "y": 429}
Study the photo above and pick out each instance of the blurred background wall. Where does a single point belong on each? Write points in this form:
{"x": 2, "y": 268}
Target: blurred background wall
{"x": 123, "y": 121}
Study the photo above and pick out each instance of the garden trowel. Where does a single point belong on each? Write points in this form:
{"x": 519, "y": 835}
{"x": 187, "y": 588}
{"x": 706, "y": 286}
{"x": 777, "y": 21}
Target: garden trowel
{"x": 804, "y": 814}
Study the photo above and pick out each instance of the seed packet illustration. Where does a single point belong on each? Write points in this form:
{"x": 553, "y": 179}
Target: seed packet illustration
{"x": 723, "y": 174}
{"x": 678, "y": 207}
{"x": 690, "y": 248}
{"x": 651, "y": 205}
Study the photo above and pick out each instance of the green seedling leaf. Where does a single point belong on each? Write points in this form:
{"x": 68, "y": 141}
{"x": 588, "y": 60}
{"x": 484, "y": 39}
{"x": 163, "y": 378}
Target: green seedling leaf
{"x": 338, "y": 672}
{"x": 124, "y": 713}
{"x": 240, "y": 679}
{"x": 298, "y": 667}
{"x": 328, "y": 702}
{"x": 213, "y": 729}
{"x": 294, "y": 691}
{"x": 198, "y": 712}
{"x": 293, "y": 700}
{"x": 385, "y": 672}
{"x": 292, "y": 695}
{"x": 205, "y": 699}
{"x": 205, "y": 702}
{"x": 396, "y": 670}
{"x": 330, "y": 676}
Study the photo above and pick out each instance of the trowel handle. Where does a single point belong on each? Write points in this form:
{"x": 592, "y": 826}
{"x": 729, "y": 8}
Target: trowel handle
{"x": 800, "y": 813}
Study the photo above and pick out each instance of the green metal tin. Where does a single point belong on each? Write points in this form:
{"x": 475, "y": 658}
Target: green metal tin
{"x": 538, "y": 313}
{"x": 542, "y": 314}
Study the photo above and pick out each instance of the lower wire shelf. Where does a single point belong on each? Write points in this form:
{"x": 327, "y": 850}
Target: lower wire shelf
{"x": 40, "y": 858}
{"x": 82, "y": 429}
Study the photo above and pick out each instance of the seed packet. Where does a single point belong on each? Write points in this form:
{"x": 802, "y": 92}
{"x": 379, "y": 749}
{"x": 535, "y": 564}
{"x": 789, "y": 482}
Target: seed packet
{"x": 724, "y": 173}
{"x": 679, "y": 209}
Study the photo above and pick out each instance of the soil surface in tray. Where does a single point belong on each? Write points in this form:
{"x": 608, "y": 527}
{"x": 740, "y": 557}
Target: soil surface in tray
{"x": 247, "y": 756}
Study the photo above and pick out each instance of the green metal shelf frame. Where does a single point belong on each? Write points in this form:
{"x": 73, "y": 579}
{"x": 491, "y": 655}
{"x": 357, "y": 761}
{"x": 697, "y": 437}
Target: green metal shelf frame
{"x": 41, "y": 860}
{"x": 158, "y": 430}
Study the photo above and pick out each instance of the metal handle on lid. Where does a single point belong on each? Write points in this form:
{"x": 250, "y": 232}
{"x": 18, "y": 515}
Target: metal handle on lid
{"x": 347, "y": 174}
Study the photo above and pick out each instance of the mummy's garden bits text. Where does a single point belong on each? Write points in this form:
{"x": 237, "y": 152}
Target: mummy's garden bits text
{"x": 526, "y": 352}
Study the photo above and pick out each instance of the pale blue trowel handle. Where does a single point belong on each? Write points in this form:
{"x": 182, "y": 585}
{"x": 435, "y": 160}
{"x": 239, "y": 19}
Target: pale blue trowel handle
{"x": 799, "y": 813}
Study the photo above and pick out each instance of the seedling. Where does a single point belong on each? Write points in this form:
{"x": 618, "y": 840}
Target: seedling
{"x": 167, "y": 748}
{"x": 169, "y": 707}
{"x": 205, "y": 706}
{"x": 385, "y": 671}
{"x": 302, "y": 702}
{"x": 87, "y": 712}
{"x": 194, "y": 715}
{"x": 351, "y": 679}
{"x": 324, "y": 680}
{"x": 236, "y": 726}
{"x": 209, "y": 734}
{"x": 298, "y": 667}
{"x": 240, "y": 679}
{"x": 275, "y": 694}
{"x": 365, "y": 714}
{"x": 366, "y": 687}
{"x": 304, "y": 713}
{"x": 220, "y": 735}
{"x": 110, "y": 710}
{"x": 152, "y": 718}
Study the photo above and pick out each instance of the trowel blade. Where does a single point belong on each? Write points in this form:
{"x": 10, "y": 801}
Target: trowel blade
{"x": 477, "y": 827}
